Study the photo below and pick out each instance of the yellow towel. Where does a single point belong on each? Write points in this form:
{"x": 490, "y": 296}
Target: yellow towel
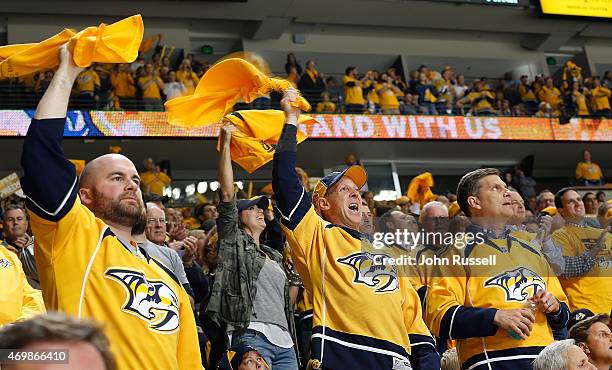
{"x": 219, "y": 89}
{"x": 256, "y": 136}
{"x": 115, "y": 43}
{"x": 419, "y": 190}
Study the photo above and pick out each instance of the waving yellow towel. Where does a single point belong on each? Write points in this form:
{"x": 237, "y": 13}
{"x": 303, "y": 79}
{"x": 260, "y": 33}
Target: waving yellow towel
{"x": 115, "y": 43}
{"x": 256, "y": 136}
{"x": 219, "y": 89}
{"x": 419, "y": 190}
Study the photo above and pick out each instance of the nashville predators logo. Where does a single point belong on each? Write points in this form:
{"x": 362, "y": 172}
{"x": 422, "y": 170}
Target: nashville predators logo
{"x": 380, "y": 276}
{"x": 150, "y": 300}
{"x": 4, "y": 263}
{"x": 519, "y": 284}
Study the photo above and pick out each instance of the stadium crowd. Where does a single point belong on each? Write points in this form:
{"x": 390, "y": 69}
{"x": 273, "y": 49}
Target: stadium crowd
{"x": 148, "y": 82}
{"x": 290, "y": 279}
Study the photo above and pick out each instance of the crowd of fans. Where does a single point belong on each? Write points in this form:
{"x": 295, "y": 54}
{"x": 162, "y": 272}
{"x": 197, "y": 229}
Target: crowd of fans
{"x": 288, "y": 279}
{"x": 147, "y": 83}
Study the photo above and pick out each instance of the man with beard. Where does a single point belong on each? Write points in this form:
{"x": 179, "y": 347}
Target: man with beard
{"x": 89, "y": 265}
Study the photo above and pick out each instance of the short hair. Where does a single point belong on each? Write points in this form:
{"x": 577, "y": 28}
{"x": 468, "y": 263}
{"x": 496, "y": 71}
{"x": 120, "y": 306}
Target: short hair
{"x": 349, "y": 70}
{"x": 56, "y": 327}
{"x": 578, "y": 332}
{"x": 553, "y": 356}
{"x": 469, "y": 185}
{"x": 12, "y": 207}
{"x": 586, "y": 195}
{"x": 199, "y": 209}
{"x": 450, "y": 360}
{"x": 559, "y": 195}
{"x": 428, "y": 205}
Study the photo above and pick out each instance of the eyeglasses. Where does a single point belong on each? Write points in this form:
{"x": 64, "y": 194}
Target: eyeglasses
{"x": 156, "y": 220}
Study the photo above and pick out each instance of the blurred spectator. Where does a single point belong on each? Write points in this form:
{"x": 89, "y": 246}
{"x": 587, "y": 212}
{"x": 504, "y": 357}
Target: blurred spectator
{"x": 292, "y": 65}
{"x": 545, "y": 199}
{"x": 153, "y": 180}
{"x": 85, "y": 343}
{"x": 138, "y": 63}
{"x": 16, "y": 238}
{"x": 311, "y": 84}
{"x": 562, "y": 355}
{"x": 88, "y": 88}
{"x": 578, "y": 100}
{"x": 590, "y": 204}
{"x": 587, "y": 172}
{"x": 480, "y": 99}
{"x": 528, "y": 96}
{"x": 604, "y": 215}
{"x": 544, "y": 111}
{"x": 353, "y": 93}
{"x": 122, "y": 83}
{"x": 43, "y": 84}
{"x": 459, "y": 88}
{"x": 206, "y": 211}
{"x": 174, "y": 88}
{"x": 594, "y": 337}
{"x": 601, "y": 99}
{"x": 504, "y": 110}
{"x": 444, "y": 87}
{"x": 410, "y": 105}
{"x": 387, "y": 95}
{"x": 151, "y": 86}
{"x": 327, "y": 106}
{"x": 551, "y": 95}
{"x": 187, "y": 77}
{"x": 427, "y": 94}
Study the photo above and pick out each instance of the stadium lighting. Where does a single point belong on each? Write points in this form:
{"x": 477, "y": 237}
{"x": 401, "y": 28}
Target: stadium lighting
{"x": 386, "y": 195}
{"x": 202, "y": 187}
{"x": 168, "y": 191}
{"x": 214, "y": 185}
{"x": 240, "y": 185}
{"x": 190, "y": 190}
{"x": 176, "y": 193}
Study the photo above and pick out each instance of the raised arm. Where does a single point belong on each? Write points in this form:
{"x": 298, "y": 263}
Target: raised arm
{"x": 43, "y": 159}
{"x": 226, "y": 173}
{"x": 291, "y": 198}
{"x": 54, "y": 103}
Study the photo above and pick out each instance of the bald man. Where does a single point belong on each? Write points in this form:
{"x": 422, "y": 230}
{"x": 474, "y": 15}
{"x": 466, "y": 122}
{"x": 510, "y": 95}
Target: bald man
{"x": 89, "y": 265}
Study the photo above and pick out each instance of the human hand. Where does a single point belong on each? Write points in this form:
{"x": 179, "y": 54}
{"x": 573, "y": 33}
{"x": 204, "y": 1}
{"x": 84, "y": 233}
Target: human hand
{"x": 546, "y": 301}
{"x": 21, "y": 242}
{"x": 544, "y": 228}
{"x": 226, "y": 132}
{"x": 191, "y": 247}
{"x": 291, "y": 113}
{"x": 519, "y": 321}
{"x": 178, "y": 232}
{"x": 67, "y": 65}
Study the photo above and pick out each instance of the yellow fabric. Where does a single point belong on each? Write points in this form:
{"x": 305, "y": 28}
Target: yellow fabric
{"x": 79, "y": 165}
{"x": 588, "y": 171}
{"x": 419, "y": 190}
{"x": 145, "y": 313}
{"x": 372, "y": 95}
{"x": 189, "y": 79}
{"x": 221, "y": 86}
{"x": 601, "y": 98}
{"x": 352, "y": 95}
{"x": 581, "y": 102}
{"x": 87, "y": 81}
{"x": 18, "y": 301}
{"x": 483, "y": 104}
{"x": 147, "y": 44}
{"x": 115, "y": 43}
{"x": 526, "y": 93}
{"x": 151, "y": 91}
{"x": 453, "y": 209}
{"x": 154, "y": 182}
{"x": 594, "y": 289}
{"x": 123, "y": 83}
{"x": 328, "y": 107}
{"x": 386, "y": 97}
{"x": 551, "y": 96}
{"x": 258, "y": 131}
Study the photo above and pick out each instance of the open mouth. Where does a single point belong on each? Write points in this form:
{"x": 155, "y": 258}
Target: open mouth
{"x": 354, "y": 207}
